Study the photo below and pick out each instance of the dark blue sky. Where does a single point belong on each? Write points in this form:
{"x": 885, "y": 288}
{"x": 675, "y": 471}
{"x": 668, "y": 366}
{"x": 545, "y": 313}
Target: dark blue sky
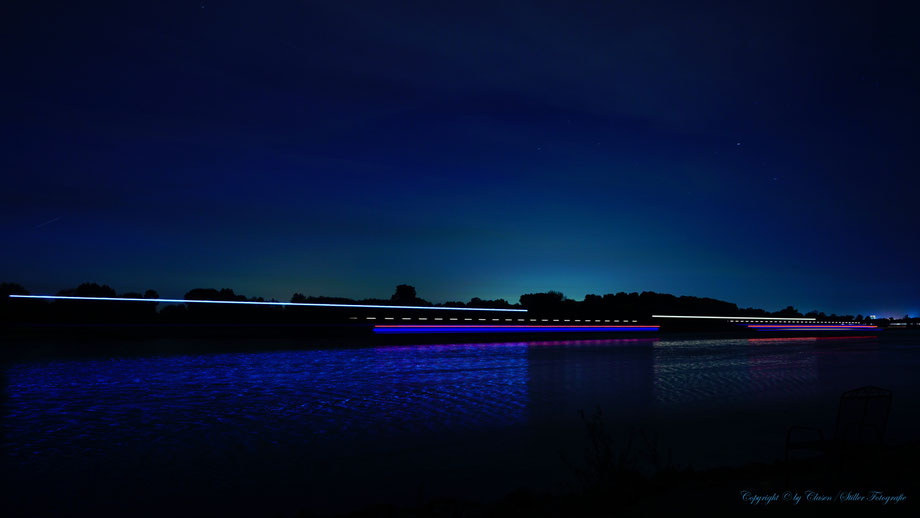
{"x": 758, "y": 152}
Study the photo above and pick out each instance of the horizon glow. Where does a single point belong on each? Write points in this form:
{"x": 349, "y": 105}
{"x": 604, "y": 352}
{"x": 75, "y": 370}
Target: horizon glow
{"x": 257, "y": 303}
{"x": 596, "y": 161}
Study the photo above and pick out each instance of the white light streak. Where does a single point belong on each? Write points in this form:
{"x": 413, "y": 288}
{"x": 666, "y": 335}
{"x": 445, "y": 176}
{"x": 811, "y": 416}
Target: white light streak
{"x": 309, "y": 304}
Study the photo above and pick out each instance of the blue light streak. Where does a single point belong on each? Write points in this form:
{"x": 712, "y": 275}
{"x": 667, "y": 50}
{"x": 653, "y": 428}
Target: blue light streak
{"x": 397, "y": 329}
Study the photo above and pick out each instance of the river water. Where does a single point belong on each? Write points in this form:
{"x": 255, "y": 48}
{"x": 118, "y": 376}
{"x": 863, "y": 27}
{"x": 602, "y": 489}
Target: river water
{"x": 330, "y": 430}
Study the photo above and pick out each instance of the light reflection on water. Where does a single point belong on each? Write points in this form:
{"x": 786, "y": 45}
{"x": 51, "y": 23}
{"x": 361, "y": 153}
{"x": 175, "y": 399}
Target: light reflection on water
{"x": 288, "y": 396}
{"x": 87, "y": 406}
{"x": 292, "y": 404}
{"x": 694, "y": 373}
{"x": 296, "y": 396}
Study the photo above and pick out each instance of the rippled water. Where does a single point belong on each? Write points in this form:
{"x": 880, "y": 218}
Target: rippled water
{"x": 391, "y": 422}
{"x": 289, "y": 396}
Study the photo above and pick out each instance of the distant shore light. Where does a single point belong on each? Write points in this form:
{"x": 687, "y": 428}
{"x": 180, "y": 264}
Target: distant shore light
{"x": 256, "y": 303}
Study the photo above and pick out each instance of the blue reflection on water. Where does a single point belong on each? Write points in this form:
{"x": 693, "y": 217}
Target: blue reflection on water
{"x": 290, "y": 418}
{"x": 87, "y": 406}
{"x": 296, "y": 398}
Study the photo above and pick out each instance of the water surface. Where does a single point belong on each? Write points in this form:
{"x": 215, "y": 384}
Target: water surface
{"x": 266, "y": 432}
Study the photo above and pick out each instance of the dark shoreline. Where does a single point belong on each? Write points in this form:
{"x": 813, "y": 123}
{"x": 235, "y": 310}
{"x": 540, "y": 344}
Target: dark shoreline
{"x": 759, "y": 488}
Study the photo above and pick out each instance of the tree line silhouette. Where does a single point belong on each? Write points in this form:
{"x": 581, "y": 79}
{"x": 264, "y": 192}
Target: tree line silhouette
{"x": 631, "y": 306}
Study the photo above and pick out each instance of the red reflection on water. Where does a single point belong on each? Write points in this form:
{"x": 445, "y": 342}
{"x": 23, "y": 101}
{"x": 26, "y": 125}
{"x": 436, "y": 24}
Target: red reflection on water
{"x": 811, "y": 338}
{"x": 808, "y": 327}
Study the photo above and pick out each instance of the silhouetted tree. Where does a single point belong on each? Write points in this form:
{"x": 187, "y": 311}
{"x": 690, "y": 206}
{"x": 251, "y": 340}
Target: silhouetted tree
{"x": 539, "y": 299}
{"x": 174, "y": 313}
{"x": 789, "y": 312}
{"x": 86, "y": 311}
{"x": 405, "y": 296}
{"x": 89, "y": 289}
{"x": 753, "y": 312}
{"x": 11, "y": 288}
{"x": 551, "y": 303}
{"x": 477, "y": 302}
{"x": 212, "y": 294}
{"x": 593, "y": 299}
{"x": 543, "y": 303}
{"x": 216, "y": 312}
{"x": 131, "y": 311}
{"x": 16, "y": 309}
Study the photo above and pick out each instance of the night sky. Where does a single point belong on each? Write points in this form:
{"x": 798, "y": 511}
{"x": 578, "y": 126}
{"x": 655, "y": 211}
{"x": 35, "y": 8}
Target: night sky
{"x": 763, "y": 153}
